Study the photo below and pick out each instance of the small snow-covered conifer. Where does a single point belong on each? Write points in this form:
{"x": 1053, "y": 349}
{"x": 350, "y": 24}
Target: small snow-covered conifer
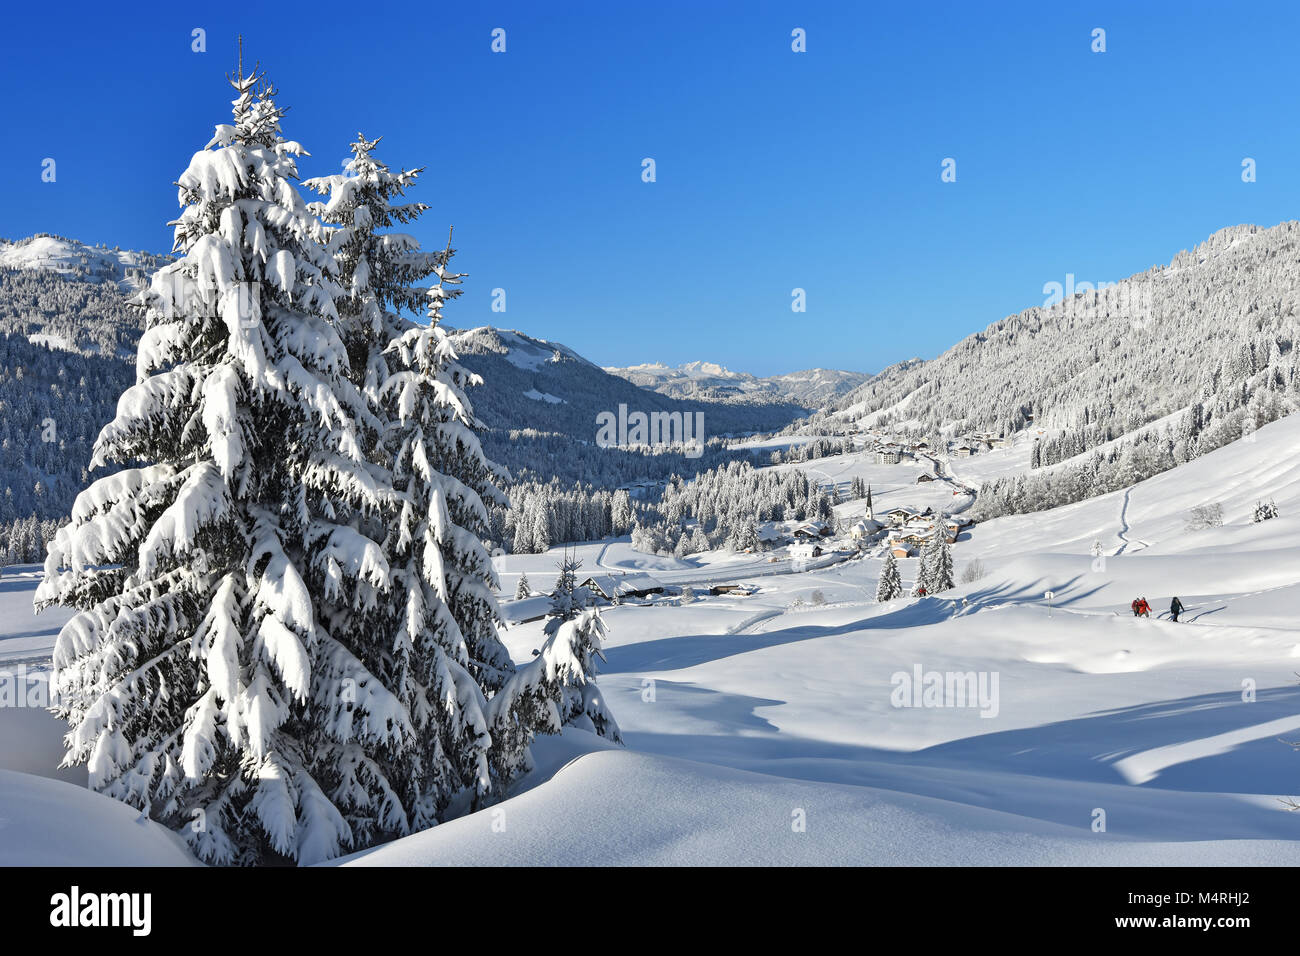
{"x": 890, "y": 585}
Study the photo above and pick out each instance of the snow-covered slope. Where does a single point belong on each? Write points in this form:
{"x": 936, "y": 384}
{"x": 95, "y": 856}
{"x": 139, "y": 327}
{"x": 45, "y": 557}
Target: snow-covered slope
{"x": 766, "y": 729}
{"x": 48, "y": 823}
{"x": 745, "y": 715}
{"x": 628, "y": 808}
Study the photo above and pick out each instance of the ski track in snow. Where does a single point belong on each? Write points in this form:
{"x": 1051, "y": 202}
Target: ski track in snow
{"x": 1124, "y": 525}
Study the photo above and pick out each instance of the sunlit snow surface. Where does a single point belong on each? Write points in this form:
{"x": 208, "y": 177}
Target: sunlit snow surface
{"x": 761, "y": 731}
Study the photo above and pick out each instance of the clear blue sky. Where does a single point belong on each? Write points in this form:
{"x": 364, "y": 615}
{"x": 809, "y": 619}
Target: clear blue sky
{"x": 775, "y": 169}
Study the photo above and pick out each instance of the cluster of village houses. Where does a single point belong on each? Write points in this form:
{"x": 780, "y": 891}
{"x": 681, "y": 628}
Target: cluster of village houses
{"x": 975, "y": 443}
{"x": 905, "y": 530}
{"x": 888, "y": 450}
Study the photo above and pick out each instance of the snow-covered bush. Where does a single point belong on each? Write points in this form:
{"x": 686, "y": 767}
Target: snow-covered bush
{"x": 973, "y": 571}
{"x": 1263, "y": 512}
{"x": 1209, "y": 515}
{"x": 555, "y": 689}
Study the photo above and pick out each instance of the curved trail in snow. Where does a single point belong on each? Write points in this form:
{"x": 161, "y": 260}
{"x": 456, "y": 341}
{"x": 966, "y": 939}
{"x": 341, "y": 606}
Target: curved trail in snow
{"x": 750, "y": 622}
{"x": 943, "y": 468}
{"x": 600, "y": 559}
{"x": 1124, "y": 526}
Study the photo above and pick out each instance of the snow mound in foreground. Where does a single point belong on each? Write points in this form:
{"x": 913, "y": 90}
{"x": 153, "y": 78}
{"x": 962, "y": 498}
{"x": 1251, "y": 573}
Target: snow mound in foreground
{"x": 47, "y": 822}
{"x": 590, "y": 814}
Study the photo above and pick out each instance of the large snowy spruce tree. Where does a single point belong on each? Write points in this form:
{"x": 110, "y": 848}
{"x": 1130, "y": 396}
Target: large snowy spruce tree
{"x": 254, "y": 661}
{"x": 440, "y": 655}
{"x": 199, "y": 676}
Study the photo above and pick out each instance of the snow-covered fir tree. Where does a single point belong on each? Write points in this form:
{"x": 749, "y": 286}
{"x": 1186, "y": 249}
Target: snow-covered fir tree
{"x": 445, "y": 650}
{"x": 523, "y": 590}
{"x": 890, "y": 585}
{"x": 286, "y": 628}
{"x": 745, "y": 537}
{"x": 557, "y": 688}
{"x": 568, "y": 598}
{"x": 379, "y": 271}
{"x": 936, "y": 565}
{"x": 199, "y": 678}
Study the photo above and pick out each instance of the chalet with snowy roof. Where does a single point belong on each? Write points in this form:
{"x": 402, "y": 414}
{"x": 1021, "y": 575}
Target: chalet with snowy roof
{"x": 741, "y": 590}
{"x": 865, "y": 529}
{"x": 623, "y": 585}
{"x": 924, "y": 477}
{"x": 963, "y": 450}
{"x": 812, "y": 531}
{"x": 805, "y": 551}
{"x": 526, "y": 609}
{"x": 897, "y": 517}
{"x": 911, "y": 539}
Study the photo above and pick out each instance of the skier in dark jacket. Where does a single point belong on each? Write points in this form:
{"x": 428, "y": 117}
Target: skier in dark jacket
{"x": 1175, "y": 609}
{"x": 1134, "y": 606}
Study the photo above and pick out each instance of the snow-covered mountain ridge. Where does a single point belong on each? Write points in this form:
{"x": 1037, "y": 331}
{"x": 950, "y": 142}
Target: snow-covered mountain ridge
{"x": 812, "y": 388}
{"x": 1220, "y": 317}
{"x": 533, "y": 383}
{"x": 125, "y": 269}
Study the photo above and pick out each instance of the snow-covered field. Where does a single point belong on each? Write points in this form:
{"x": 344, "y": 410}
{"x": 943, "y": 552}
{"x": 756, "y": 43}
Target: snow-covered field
{"x": 767, "y": 729}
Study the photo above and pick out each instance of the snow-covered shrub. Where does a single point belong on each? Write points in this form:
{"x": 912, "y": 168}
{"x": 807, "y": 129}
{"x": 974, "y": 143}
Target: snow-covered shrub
{"x": 973, "y": 571}
{"x": 555, "y": 689}
{"x": 1209, "y": 515}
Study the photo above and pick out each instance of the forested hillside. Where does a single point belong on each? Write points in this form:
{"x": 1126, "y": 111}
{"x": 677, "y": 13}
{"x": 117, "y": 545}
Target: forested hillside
{"x": 1104, "y": 362}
